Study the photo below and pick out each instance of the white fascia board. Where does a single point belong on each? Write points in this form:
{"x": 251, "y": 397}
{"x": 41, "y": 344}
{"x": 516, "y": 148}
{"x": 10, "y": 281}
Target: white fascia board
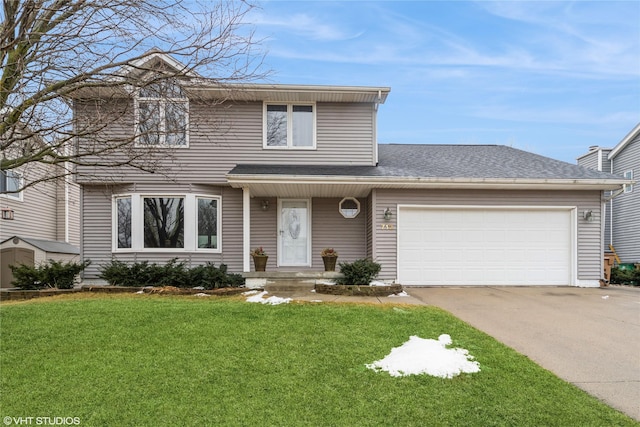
{"x": 631, "y": 135}
{"x": 237, "y": 181}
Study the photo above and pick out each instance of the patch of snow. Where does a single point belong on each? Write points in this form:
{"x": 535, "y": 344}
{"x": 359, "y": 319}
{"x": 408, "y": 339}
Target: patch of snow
{"x": 426, "y": 356}
{"x": 140, "y": 292}
{"x": 605, "y": 297}
{"x": 250, "y": 293}
{"x": 199, "y": 288}
{"x": 201, "y": 294}
{"x": 316, "y": 300}
{"x": 325, "y": 282}
{"x": 313, "y": 290}
{"x": 270, "y": 300}
{"x": 399, "y": 294}
{"x": 378, "y": 283}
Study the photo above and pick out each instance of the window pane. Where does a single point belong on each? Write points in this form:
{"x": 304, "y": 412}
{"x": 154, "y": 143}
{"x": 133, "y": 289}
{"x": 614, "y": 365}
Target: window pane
{"x": 167, "y": 88}
{"x": 124, "y": 222}
{"x": 276, "y": 125}
{"x": 10, "y": 182}
{"x": 164, "y": 222}
{"x": 302, "y": 126}
{"x": 176, "y": 123}
{"x": 208, "y": 223}
{"x": 149, "y": 123}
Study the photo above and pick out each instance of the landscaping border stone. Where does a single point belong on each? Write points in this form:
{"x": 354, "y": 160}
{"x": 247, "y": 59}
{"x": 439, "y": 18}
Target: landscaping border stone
{"x": 20, "y": 294}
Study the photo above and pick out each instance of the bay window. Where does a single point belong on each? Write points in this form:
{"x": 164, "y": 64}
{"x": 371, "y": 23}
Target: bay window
{"x": 166, "y": 223}
{"x": 289, "y": 126}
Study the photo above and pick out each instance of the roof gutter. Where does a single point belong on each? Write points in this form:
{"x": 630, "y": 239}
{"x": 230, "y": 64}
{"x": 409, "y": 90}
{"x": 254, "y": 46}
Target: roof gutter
{"x": 519, "y": 183}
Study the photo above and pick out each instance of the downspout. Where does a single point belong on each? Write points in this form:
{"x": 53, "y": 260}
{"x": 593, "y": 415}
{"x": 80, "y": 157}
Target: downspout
{"x": 376, "y": 104}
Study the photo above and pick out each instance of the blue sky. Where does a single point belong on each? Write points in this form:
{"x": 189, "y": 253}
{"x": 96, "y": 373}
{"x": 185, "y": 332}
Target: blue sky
{"x": 548, "y": 77}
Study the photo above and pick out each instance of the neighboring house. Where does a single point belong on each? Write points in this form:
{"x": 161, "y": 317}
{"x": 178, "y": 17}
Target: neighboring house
{"x": 622, "y": 224}
{"x": 39, "y": 223}
{"x": 295, "y": 169}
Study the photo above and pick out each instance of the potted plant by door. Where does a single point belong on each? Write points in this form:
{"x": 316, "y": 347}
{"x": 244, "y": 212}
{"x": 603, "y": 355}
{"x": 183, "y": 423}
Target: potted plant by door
{"x": 329, "y": 257}
{"x": 259, "y": 259}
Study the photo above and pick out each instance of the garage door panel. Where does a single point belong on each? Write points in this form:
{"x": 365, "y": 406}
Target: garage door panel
{"x": 470, "y": 246}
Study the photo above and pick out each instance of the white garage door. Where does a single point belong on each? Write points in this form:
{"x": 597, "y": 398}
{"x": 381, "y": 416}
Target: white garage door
{"x": 470, "y": 246}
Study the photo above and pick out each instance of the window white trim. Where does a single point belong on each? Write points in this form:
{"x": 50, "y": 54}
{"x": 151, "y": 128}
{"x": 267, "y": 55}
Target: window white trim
{"x": 628, "y": 188}
{"x": 4, "y": 176}
{"x": 190, "y": 223}
{"x": 346, "y": 212}
{"x": 162, "y": 101}
{"x": 290, "y": 143}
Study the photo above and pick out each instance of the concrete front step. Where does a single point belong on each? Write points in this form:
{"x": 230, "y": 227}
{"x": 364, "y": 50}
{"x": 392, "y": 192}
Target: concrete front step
{"x": 287, "y": 281}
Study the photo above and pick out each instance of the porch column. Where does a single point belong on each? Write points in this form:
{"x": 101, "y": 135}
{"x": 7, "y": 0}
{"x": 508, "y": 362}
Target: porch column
{"x": 246, "y": 229}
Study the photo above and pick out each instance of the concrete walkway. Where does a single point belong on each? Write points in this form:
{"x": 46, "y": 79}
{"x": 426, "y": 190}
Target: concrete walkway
{"x": 589, "y": 337}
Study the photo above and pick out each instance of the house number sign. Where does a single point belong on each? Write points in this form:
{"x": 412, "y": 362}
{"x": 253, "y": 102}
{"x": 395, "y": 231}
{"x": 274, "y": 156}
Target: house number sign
{"x": 386, "y": 226}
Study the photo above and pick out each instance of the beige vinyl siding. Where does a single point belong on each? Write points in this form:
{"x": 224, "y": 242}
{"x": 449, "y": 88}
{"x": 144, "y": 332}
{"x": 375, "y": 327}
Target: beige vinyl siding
{"x": 73, "y": 213}
{"x": 588, "y": 233}
{"x": 626, "y": 207}
{"x": 222, "y": 136}
{"x": 68, "y": 211}
{"x": 97, "y": 204}
{"x": 589, "y": 160}
{"x": 331, "y": 230}
{"x": 36, "y": 215}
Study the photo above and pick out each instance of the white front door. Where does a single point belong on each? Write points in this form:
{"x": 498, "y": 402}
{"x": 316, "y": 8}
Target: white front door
{"x": 294, "y": 233}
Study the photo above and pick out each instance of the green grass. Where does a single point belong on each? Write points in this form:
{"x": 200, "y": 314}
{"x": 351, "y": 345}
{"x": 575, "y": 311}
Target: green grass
{"x": 158, "y": 360}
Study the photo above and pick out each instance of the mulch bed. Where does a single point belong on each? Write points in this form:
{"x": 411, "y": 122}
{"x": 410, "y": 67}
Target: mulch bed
{"x": 359, "y": 290}
{"x": 18, "y": 294}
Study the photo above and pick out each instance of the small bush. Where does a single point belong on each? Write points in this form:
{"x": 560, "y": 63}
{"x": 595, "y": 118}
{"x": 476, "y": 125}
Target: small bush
{"x": 359, "y": 272}
{"x": 173, "y": 273}
{"x": 625, "y": 277}
{"x": 53, "y": 274}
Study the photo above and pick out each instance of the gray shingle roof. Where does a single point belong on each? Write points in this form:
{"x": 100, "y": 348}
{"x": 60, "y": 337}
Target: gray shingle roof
{"x": 49, "y": 245}
{"x": 442, "y": 161}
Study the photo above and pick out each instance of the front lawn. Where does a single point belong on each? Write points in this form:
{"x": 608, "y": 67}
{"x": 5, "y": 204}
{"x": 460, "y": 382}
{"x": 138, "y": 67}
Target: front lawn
{"x": 166, "y": 360}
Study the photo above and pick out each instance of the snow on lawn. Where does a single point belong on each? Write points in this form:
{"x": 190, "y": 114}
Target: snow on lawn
{"x": 427, "y": 356}
{"x": 399, "y": 294}
{"x": 274, "y": 300}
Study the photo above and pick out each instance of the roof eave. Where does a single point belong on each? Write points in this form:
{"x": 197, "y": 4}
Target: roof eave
{"x": 239, "y": 181}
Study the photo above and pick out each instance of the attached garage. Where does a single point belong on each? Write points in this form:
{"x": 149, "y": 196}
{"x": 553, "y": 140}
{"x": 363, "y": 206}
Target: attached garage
{"x": 470, "y": 245}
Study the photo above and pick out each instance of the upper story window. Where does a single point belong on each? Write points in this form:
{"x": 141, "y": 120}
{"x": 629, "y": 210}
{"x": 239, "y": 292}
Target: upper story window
{"x": 628, "y": 188}
{"x": 162, "y": 115}
{"x": 290, "y": 126}
{"x": 10, "y": 182}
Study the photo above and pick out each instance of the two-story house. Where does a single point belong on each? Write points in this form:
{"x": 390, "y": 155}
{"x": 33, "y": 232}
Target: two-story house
{"x": 622, "y": 219}
{"x": 294, "y": 169}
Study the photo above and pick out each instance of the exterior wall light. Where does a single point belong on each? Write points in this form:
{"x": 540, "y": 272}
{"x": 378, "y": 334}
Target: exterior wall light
{"x": 7, "y": 213}
{"x": 588, "y": 215}
{"x": 265, "y": 205}
{"x": 388, "y": 214}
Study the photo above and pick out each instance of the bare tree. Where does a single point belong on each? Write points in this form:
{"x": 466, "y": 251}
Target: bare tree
{"x": 57, "y": 52}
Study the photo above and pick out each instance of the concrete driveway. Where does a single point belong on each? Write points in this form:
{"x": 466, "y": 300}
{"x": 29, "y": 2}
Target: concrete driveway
{"x": 590, "y": 337}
